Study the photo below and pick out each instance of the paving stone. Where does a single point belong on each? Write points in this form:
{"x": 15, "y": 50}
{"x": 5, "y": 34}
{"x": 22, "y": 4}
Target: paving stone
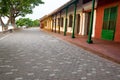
{"x": 19, "y": 78}
{"x": 35, "y": 55}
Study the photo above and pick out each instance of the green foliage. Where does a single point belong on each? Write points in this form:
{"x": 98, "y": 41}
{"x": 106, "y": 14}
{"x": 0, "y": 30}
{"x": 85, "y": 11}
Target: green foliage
{"x": 18, "y": 7}
{"x": 27, "y": 22}
{"x": 36, "y": 23}
{"x": 3, "y": 7}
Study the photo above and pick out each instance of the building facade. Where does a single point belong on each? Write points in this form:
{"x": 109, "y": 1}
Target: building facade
{"x": 107, "y": 20}
{"x": 74, "y": 18}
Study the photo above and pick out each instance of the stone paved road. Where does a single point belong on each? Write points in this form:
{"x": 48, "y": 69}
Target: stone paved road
{"x": 34, "y": 55}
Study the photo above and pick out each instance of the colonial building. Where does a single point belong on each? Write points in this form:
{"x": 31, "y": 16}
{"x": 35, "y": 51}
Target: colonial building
{"x": 74, "y": 17}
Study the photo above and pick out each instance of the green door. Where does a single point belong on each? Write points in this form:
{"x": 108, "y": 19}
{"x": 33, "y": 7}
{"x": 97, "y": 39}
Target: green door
{"x": 109, "y": 23}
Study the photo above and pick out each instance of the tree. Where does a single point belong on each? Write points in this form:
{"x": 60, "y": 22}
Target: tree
{"x": 27, "y": 22}
{"x": 20, "y": 22}
{"x": 15, "y": 8}
{"x": 3, "y": 12}
{"x": 24, "y": 22}
{"x": 36, "y": 23}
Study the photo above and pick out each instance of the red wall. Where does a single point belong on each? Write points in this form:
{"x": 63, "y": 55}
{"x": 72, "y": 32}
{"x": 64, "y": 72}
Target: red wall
{"x": 102, "y": 4}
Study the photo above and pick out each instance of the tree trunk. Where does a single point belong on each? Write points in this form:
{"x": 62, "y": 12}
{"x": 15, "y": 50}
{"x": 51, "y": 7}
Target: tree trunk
{"x": 13, "y": 22}
{"x": 4, "y": 26}
{"x": 12, "y": 16}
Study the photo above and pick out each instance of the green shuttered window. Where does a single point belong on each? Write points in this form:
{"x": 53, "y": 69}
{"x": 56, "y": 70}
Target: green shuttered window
{"x": 109, "y": 23}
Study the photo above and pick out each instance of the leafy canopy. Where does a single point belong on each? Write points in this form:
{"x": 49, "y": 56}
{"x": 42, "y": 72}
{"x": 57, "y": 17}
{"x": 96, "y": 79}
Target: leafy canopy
{"x": 18, "y": 7}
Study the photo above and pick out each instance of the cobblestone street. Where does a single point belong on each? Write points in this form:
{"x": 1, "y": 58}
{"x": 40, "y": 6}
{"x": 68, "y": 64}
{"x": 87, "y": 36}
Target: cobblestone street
{"x": 32, "y": 54}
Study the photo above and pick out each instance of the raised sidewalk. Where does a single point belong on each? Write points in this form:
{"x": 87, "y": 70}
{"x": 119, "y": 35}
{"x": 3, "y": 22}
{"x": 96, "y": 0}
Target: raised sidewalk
{"x": 106, "y": 49}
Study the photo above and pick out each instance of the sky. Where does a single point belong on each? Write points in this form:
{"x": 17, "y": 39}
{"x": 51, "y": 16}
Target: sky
{"x": 44, "y": 9}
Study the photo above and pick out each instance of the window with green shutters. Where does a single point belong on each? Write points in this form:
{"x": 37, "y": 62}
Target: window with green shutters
{"x": 109, "y": 23}
{"x": 110, "y": 18}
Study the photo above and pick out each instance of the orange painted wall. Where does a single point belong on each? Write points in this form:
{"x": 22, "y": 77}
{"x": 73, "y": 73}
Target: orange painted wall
{"x": 117, "y": 34}
{"x": 102, "y": 4}
{"x": 99, "y": 22}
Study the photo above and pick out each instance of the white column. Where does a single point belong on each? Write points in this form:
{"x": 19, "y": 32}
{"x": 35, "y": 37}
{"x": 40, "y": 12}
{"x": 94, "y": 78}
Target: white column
{"x": 83, "y": 24}
{"x": 94, "y": 21}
